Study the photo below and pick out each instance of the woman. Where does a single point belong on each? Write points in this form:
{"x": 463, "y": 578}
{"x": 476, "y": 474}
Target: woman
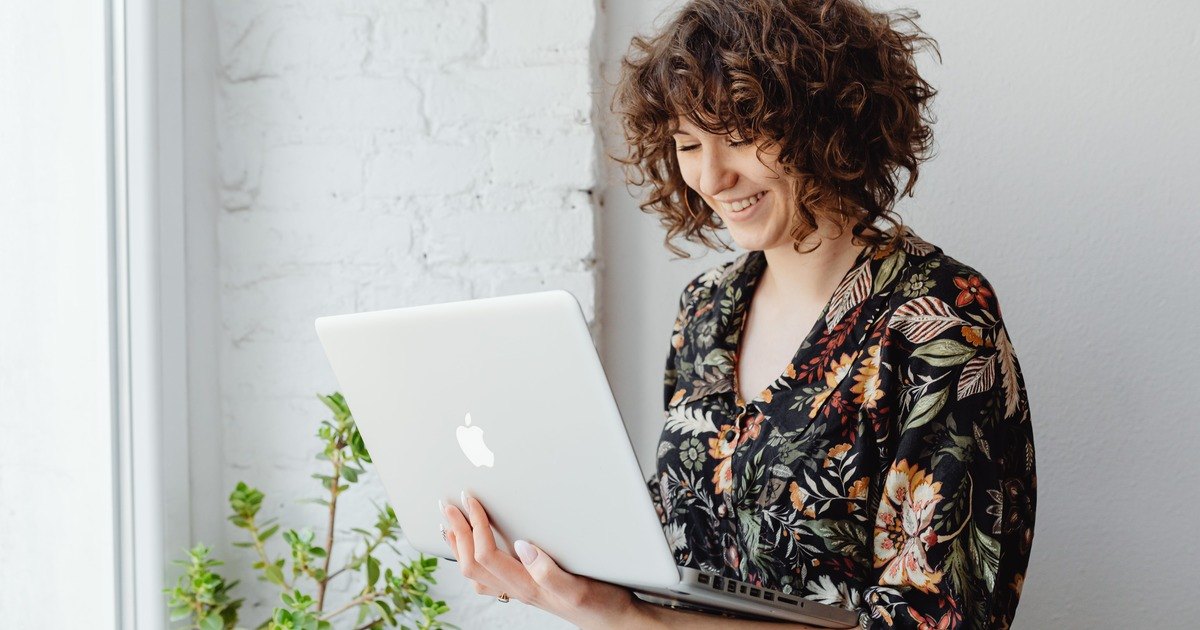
{"x": 846, "y": 418}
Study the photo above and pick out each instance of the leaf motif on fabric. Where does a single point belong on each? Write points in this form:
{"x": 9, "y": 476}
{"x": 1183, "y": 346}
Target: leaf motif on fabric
{"x": 944, "y": 353}
{"x": 1008, "y": 371}
{"x": 985, "y": 553}
{"x": 690, "y": 421}
{"x": 957, "y": 565}
{"x": 978, "y": 375}
{"x": 889, "y": 269}
{"x": 925, "y": 409}
{"x": 981, "y": 441}
{"x": 841, "y": 536}
{"x": 771, "y": 492}
{"x": 719, "y": 358}
{"x": 751, "y": 528}
{"x": 714, "y": 381}
{"x": 854, "y": 289}
{"x": 725, "y": 270}
{"x": 924, "y": 318}
{"x": 781, "y": 471}
{"x": 713, "y": 275}
{"x": 914, "y": 244}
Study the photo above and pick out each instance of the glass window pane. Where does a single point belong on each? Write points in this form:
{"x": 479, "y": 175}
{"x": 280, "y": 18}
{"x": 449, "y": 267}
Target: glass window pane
{"x": 56, "y": 488}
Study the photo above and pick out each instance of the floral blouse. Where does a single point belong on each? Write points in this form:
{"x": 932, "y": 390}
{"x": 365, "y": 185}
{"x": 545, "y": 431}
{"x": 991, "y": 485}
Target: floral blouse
{"x": 888, "y": 469}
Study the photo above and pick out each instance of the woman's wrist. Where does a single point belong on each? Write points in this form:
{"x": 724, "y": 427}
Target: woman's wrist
{"x": 632, "y": 613}
{"x": 641, "y": 614}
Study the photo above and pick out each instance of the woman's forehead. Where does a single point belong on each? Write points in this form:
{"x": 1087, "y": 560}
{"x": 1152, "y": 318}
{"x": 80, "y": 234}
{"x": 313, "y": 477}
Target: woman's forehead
{"x": 685, "y": 125}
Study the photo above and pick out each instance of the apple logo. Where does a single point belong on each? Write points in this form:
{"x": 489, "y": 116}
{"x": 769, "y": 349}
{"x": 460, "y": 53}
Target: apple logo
{"x": 470, "y": 440}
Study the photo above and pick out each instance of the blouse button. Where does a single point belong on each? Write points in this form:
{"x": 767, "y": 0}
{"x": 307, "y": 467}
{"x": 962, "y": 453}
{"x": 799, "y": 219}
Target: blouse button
{"x": 748, "y": 410}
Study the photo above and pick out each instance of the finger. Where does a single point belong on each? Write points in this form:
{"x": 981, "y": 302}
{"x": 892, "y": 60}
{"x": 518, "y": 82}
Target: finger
{"x": 450, "y": 541}
{"x": 480, "y": 587}
{"x": 569, "y": 588}
{"x": 501, "y": 564}
{"x": 464, "y": 546}
{"x": 484, "y": 589}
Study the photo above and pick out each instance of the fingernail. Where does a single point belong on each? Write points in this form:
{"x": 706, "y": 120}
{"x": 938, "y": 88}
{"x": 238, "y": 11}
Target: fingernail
{"x": 526, "y": 551}
{"x": 462, "y": 495}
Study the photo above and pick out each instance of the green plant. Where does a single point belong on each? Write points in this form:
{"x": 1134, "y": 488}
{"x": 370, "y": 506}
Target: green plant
{"x": 388, "y": 598}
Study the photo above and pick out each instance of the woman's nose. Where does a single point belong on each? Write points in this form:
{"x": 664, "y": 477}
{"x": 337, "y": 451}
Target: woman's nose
{"x": 715, "y": 174}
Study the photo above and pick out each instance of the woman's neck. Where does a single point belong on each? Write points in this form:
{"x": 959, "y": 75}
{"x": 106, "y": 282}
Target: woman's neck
{"x": 797, "y": 278}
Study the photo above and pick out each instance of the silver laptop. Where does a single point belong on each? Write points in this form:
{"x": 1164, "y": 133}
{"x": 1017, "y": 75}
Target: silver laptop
{"x": 505, "y": 397}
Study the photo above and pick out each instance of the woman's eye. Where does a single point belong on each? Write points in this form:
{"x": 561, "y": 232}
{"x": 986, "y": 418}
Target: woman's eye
{"x": 732, "y": 144}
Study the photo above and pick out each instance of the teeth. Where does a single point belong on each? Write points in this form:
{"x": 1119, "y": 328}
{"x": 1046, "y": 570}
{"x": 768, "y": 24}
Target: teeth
{"x": 738, "y": 206}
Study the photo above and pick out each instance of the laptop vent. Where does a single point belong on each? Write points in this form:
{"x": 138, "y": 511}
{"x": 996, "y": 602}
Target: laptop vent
{"x": 736, "y": 587}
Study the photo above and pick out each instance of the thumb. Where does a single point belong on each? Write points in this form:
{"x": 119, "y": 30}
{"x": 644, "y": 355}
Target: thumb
{"x": 546, "y": 571}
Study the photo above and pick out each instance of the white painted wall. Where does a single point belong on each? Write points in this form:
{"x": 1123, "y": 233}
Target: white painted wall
{"x": 361, "y": 155}
{"x": 56, "y": 489}
{"x": 1067, "y": 171}
{"x": 339, "y": 148}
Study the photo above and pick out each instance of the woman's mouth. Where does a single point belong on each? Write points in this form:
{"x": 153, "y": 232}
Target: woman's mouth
{"x": 741, "y": 210}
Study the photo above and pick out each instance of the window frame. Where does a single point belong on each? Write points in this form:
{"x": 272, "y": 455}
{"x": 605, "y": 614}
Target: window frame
{"x": 147, "y": 276}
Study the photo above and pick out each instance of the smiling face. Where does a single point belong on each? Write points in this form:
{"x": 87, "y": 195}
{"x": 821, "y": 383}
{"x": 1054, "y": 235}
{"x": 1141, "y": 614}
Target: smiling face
{"x": 752, "y": 197}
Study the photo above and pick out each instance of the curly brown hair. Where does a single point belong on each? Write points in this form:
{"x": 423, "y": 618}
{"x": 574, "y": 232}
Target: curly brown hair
{"x": 832, "y": 83}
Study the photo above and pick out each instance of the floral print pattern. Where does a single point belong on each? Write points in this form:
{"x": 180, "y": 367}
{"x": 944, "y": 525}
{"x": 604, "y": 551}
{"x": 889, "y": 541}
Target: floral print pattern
{"x": 888, "y": 469}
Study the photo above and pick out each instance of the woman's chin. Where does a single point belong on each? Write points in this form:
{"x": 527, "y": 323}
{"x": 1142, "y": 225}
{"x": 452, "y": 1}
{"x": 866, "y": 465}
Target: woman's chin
{"x": 750, "y": 240}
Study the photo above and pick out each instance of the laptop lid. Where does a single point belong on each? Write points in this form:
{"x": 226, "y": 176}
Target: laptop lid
{"x": 503, "y": 397}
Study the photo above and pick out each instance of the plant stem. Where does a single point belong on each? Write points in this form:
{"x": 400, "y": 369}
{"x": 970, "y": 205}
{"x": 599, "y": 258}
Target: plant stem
{"x": 370, "y": 547}
{"x": 252, "y": 527}
{"x": 329, "y": 577}
{"x": 337, "y": 573}
{"x": 334, "y": 489}
{"x": 361, "y": 599}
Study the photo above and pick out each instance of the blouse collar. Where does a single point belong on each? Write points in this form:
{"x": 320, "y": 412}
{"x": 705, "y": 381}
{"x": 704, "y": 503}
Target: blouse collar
{"x": 732, "y": 294}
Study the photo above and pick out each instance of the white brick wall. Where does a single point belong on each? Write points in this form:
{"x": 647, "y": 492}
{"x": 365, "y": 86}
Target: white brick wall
{"x": 376, "y": 154}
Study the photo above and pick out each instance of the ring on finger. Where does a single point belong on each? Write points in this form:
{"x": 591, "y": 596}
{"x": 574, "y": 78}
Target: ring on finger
{"x": 503, "y": 598}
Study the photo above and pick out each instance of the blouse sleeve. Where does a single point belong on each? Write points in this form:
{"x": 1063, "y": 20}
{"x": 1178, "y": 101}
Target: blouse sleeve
{"x": 671, "y": 371}
{"x": 671, "y": 374}
{"x": 956, "y": 494}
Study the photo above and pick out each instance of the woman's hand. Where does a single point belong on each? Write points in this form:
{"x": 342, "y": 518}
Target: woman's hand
{"x": 535, "y": 578}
